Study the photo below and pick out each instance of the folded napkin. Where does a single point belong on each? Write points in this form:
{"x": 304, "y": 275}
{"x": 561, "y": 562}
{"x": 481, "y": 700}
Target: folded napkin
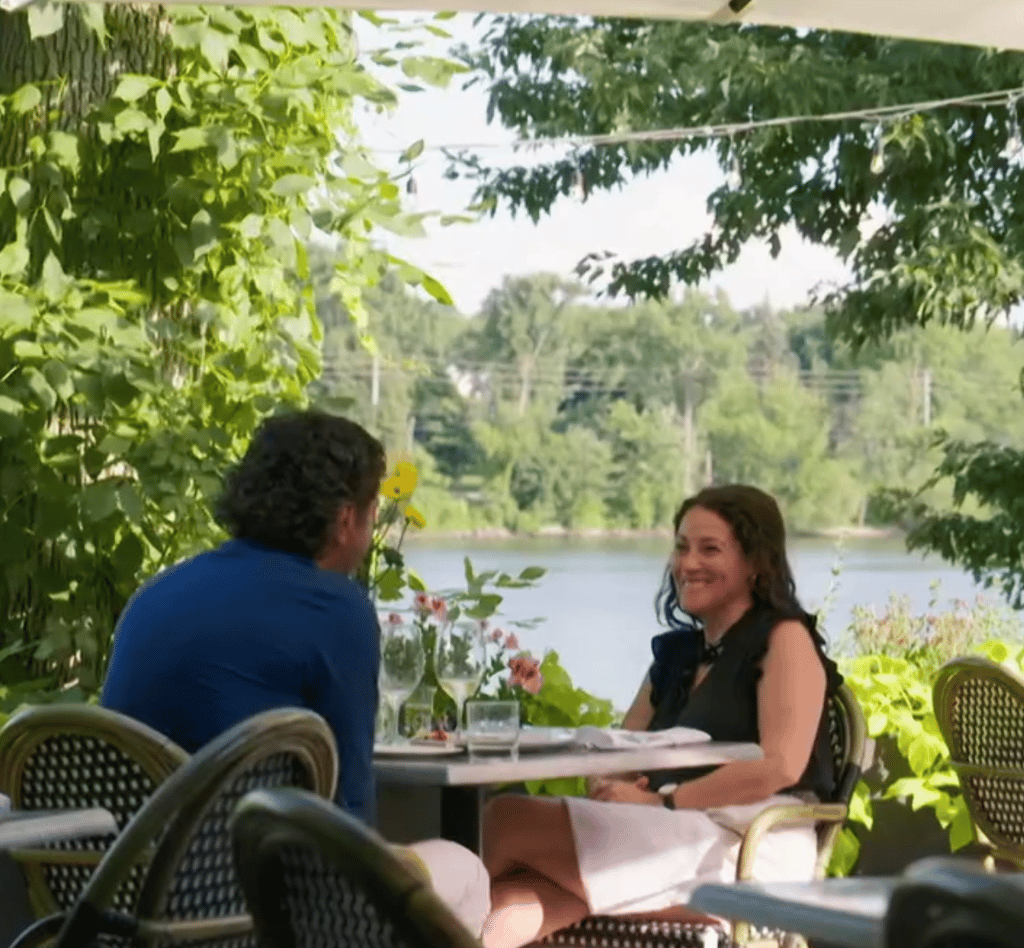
{"x": 605, "y": 738}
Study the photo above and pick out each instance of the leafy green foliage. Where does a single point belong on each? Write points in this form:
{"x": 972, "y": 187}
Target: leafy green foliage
{"x": 891, "y": 673}
{"x": 152, "y": 260}
{"x": 935, "y": 237}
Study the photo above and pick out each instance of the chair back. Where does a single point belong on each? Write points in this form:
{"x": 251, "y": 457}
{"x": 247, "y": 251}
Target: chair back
{"x": 979, "y": 706}
{"x": 852, "y": 754}
{"x": 952, "y": 903}
{"x": 76, "y": 757}
{"x": 314, "y": 877}
{"x": 190, "y": 892}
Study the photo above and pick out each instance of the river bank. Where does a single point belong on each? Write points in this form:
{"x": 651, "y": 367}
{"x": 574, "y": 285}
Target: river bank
{"x": 565, "y": 533}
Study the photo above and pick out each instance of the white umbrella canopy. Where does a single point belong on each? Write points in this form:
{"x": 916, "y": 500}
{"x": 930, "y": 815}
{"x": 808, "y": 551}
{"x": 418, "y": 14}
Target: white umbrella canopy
{"x": 996, "y": 23}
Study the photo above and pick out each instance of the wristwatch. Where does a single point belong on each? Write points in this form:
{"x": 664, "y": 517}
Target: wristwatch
{"x": 668, "y": 800}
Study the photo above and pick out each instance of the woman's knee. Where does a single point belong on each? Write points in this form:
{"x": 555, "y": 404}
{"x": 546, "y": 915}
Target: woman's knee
{"x": 518, "y": 828}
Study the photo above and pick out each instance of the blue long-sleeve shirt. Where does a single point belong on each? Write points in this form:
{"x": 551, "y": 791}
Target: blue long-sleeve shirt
{"x": 244, "y": 629}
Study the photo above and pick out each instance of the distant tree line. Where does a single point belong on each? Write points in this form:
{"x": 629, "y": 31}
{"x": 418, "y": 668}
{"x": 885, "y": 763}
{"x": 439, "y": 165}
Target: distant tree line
{"x": 547, "y": 408}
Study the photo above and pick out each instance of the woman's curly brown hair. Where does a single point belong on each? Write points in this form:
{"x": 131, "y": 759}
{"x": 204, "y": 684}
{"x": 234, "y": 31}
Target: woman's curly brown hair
{"x": 297, "y": 472}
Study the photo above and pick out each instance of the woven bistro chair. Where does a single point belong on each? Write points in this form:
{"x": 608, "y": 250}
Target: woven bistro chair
{"x": 852, "y": 754}
{"x": 189, "y": 893}
{"x": 315, "y": 877}
{"x": 76, "y": 757}
{"x": 979, "y": 706}
{"x": 952, "y": 903}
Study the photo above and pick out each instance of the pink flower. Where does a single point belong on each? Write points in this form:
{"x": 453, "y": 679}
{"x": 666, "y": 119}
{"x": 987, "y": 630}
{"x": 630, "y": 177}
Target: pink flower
{"x": 495, "y": 636}
{"x": 526, "y": 674}
{"x": 511, "y": 642}
{"x": 395, "y": 619}
{"x": 422, "y": 602}
{"x": 440, "y": 608}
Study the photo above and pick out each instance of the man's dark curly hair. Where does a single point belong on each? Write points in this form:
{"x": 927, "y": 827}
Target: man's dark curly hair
{"x": 297, "y": 472}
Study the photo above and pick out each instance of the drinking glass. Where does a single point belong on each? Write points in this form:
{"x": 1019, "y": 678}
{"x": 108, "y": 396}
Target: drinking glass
{"x": 402, "y": 660}
{"x": 419, "y": 712}
{"x": 492, "y": 726}
{"x": 460, "y": 660}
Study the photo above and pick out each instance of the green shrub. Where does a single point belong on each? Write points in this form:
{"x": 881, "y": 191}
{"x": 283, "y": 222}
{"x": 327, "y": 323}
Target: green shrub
{"x": 894, "y": 662}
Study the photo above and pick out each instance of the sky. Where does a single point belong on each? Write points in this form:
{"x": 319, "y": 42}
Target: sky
{"x": 651, "y": 215}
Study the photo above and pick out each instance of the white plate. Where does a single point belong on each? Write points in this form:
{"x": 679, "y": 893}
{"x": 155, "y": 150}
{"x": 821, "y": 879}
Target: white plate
{"x": 417, "y": 750}
{"x": 545, "y": 738}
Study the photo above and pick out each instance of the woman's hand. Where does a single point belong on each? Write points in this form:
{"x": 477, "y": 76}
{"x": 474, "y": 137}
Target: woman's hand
{"x": 622, "y": 791}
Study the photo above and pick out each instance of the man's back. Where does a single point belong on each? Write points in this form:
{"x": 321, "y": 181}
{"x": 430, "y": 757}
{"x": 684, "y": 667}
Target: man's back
{"x": 244, "y": 629}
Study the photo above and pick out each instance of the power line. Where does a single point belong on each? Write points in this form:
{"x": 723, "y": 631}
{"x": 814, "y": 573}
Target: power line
{"x": 882, "y": 113}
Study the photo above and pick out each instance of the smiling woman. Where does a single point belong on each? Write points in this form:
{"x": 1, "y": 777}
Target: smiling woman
{"x": 743, "y": 662}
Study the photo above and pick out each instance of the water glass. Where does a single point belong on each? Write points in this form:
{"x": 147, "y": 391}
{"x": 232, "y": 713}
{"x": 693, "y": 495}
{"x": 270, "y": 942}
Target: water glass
{"x": 419, "y": 712}
{"x": 492, "y": 726}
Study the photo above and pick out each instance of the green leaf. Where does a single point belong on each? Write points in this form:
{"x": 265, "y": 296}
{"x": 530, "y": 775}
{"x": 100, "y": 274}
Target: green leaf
{"x": 64, "y": 148}
{"x": 413, "y": 151}
{"x": 844, "y": 853}
{"x": 45, "y": 19}
{"x": 8, "y": 406}
{"x": 128, "y": 555}
{"x": 20, "y": 191}
{"x": 189, "y": 139}
{"x": 27, "y": 350}
{"x": 290, "y": 185}
{"x": 163, "y": 101}
{"x": 961, "y": 829}
{"x": 26, "y": 99}
{"x": 93, "y": 15}
{"x": 532, "y": 572}
{"x": 132, "y": 87}
{"x": 54, "y": 281}
{"x": 39, "y": 387}
{"x": 437, "y": 291}
{"x": 14, "y": 259}
{"x": 99, "y": 500}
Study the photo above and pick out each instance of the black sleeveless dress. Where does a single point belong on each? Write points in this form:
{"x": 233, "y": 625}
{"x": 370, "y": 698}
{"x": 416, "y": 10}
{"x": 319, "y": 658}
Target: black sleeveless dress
{"x": 724, "y": 705}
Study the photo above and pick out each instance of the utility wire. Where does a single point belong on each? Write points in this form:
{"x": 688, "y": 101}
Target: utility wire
{"x": 1002, "y": 98}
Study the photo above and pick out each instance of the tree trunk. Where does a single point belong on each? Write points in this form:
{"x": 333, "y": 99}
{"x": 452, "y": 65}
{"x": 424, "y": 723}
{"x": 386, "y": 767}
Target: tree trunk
{"x": 74, "y": 71}
{"x": 73, "y": 68}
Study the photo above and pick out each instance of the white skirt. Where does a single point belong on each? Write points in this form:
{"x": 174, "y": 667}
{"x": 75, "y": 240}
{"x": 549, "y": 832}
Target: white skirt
{"x": 636, "y": 858}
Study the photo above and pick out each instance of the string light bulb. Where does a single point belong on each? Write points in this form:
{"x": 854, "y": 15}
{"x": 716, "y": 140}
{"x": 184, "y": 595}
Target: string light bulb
{"x": 1015, "y": 139}
{"x": 878, "y": 158}
{"x": 734, "y": 176}
{"x": 579, "y": 185}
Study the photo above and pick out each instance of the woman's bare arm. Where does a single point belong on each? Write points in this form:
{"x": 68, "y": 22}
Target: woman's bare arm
{"x": 641, "y": 711}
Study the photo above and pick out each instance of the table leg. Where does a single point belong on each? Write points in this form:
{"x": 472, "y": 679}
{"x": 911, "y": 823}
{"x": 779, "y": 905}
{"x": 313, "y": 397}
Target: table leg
{"x": 461, "y": 812}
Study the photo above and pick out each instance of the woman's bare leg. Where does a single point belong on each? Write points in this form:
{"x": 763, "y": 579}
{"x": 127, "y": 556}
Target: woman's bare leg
{"x": 530, "y": 853}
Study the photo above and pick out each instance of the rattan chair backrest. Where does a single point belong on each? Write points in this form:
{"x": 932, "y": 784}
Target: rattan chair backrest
{"x": 979, "y": 706}
{"x": 314, "y": 876}
{"x": 74, "y": 757}
{"x": 852, "y": 751}
{"x": 190, "y": 893}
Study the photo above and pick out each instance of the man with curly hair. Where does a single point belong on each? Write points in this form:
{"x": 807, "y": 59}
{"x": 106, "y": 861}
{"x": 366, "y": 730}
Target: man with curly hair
{"x": 272, "y": 618}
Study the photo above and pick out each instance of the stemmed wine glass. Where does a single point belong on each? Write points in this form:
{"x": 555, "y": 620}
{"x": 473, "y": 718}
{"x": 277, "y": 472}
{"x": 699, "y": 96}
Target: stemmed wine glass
{"x": 402, "y": 660}
{"x": 460, "y": 660}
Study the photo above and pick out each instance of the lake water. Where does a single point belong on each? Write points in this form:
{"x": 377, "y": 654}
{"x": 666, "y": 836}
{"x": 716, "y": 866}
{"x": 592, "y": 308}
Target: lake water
{"x": 596, "y": 599}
